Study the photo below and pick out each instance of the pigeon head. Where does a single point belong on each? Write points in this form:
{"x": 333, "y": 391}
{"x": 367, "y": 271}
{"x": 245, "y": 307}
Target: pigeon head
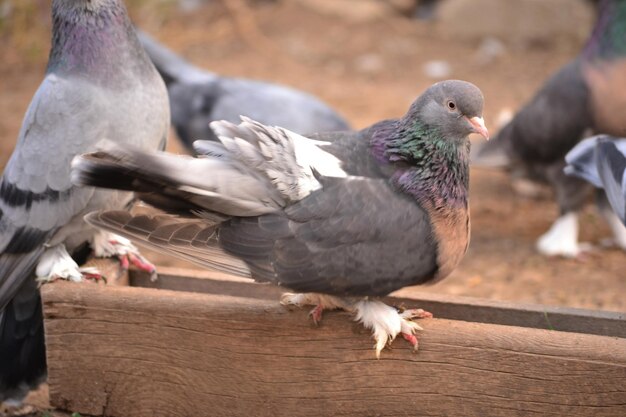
{"x": 95, "y": 39}
{"x": 452, "y": 108}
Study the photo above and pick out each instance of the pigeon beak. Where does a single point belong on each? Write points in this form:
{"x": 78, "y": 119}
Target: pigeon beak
{"x": 479, "y": 126}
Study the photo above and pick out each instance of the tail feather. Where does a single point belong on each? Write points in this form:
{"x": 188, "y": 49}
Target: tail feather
{"x": 172, "y": 181}
{"x": 209, "y": 148}
{"x": 22, "y": 349}
{"x": 257, "y": 170}
{"x": 14, "y": 270}
{"x": 612, "y": 170}
{"x": 581, "y": 160}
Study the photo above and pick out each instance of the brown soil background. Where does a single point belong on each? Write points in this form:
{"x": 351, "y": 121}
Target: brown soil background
{"x": 368, "y": 70}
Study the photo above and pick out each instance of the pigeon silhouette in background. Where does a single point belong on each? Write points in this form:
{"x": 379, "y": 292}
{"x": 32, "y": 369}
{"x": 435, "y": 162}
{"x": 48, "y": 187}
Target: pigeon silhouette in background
{"x": 601, "y": 161}
{"x": 99, "y": 85}
{"x": 198, "y": 97}
{"x": 587, "y": 95}
{"x": 336, "y": 216}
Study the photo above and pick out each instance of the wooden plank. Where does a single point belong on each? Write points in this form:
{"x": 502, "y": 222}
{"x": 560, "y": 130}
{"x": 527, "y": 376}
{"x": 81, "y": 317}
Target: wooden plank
{"x": 135, "y": 352}
{"x": 110, "y": 269}
{"x": 603, "y": 323}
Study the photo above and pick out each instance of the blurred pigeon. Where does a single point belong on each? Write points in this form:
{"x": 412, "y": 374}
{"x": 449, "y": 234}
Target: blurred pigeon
{"x": 587, "y": 95}
{"x": 99, "y": 85}
{"x": 199, "y": 97}
{"x": 601, "y": 161}
{"x": 347, "y": 214}
{"x": 426, "y": 9}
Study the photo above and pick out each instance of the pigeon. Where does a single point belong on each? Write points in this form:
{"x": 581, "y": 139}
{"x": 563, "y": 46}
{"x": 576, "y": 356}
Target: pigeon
{"x": 601, "y": 161}
{"x": 336, "y": 216}
{"x": 587, "y": 95}
{"x": 99, "y": 86}
{"x": 198, "y": 97}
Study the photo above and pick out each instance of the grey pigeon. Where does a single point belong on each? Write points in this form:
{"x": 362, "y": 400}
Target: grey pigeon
{"x": 601, "y": 161}
{"x": 587, "y": 95}
{"x": 99, "y": 85}
{"x": 338, "y": 216}
{"x": 199, "y": 97}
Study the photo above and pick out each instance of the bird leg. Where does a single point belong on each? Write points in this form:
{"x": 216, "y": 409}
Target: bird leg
{"x": 562, "y": 238}
{"x": 17, "y": 409}
{"x": 320, "y": 301}
{"x": 385, "y": 321}
{"x": 106, "y": 245}
{"x": 55, "y": 263}
{"x": 616, "y": 225}
{"x": 414, "y": 313}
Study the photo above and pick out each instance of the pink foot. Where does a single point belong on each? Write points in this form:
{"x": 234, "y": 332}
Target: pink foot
{"x": 416, "y": 313}
{"x": 413, "y": 313}
{"x": 131, "y": 257}
{"x": 93, "y": 274}
{"x": 412, "y": 339}
{"x": 140, "y": 263}
{"x": 316, "y": 314}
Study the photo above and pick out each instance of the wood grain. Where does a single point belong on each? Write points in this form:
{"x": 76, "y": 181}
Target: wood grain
{"x": 567, "y": 319}
{"x": 135, "y": 352}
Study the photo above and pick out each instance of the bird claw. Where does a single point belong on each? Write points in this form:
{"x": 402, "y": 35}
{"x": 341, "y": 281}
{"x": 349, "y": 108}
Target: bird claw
{"x": 316, "y": 314}
{"x": 109, "y": 245}
{"x": 412, "y": 339}
{"x": 410, "y": 327}
{"x": 56, "y": 263}
{"x": 138, "y": 261}
{"x": 386, "y": 323}
{"x": 66, "y": 269}
{"x": 92, "y": 274}
{"x": 17, "y": 409}
{"x": 416, "y": 313}
{"x": 320, "y": 301}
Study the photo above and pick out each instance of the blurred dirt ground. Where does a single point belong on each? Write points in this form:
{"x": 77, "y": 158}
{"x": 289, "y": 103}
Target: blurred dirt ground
{"x": 369, "y": 69}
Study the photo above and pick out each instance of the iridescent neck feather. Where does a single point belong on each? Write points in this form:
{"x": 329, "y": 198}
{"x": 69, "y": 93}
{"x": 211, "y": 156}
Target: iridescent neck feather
{"x": 430, "y": 168}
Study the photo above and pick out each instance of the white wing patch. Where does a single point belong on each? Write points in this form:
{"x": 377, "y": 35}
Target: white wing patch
{"x": 284, "y": 157}
{"x": 309, "y": 156}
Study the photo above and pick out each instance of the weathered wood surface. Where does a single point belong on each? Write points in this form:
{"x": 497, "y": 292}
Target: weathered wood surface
{"x": 567, "y": 319}
{"x": 111, "y": 270}
{"x": 133, "y": 352}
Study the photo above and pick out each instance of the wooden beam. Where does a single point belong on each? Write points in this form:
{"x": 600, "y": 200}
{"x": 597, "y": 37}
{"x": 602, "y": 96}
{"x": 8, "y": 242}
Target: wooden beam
{"x": 567, "y": 319}
{"x": 135, "y": 352}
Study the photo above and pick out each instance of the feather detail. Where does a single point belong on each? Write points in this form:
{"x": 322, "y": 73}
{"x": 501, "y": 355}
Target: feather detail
{"x": 191, "y": 239}
{"x": 286, "y": 158}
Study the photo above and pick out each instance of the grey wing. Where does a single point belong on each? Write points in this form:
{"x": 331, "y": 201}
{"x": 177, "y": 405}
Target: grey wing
{"x": 353, "y": 149}
{"x": 355, "y": 236}
{"x": 22, "y": 349}
{"x": 36, "y": 196}
{"x": 191, "y": 239}
{"x": 612, "y": 170}
{"x": 36, "y": 200}
{"x": 275, "y": 105}
{"x": 195, "y": 105}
